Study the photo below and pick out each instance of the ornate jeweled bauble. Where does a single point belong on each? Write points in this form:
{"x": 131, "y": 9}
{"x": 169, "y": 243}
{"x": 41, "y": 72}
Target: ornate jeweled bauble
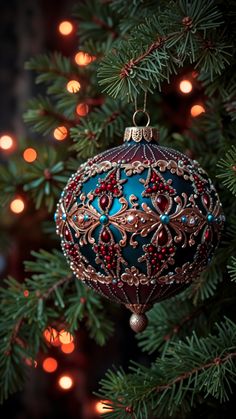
{"x": 139, "y": 222}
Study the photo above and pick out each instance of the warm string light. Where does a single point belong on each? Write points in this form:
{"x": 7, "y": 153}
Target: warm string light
{"x": 101, "y": 407}
{"x": 65, "y": 382}
{"x": 185, "y": 86}
{"x": 65, "y": 337}
{"x": 17, "y": 205}
{"x": 50, "y": 364}
{"x": 51, "y": 336}
{"x": 82, "y": 109}
{"x": 73, "y": 86}
{"x": 6, "y": 142}
{"x": 68, "y": 348}
{"x": 197, "y": 110}
{"x": 30, "y": 155}
{"x": 83, "y": 58}
{"x": 65, "y": 28}
{"x": 60, "y": 133}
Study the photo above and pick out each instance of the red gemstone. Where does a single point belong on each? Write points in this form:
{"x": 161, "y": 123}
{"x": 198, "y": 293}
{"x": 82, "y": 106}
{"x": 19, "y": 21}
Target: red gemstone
{"x": 116, "y": 191}
{"x": 149, "y": 190}
{"x": 162, "y": 237}
{"x": 105, "y": 236}
{"x": 162, "y": 202}
{"x": 207, "y": 235}
{"x": 104, "y": 201}
{"x": 151, "y": 248}
{"x": 206, "y": 200}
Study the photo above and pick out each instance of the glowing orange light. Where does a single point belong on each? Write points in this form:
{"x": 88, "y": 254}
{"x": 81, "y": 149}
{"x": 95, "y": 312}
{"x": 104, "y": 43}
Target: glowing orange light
{"x": 101, "y": 407}
{"x": 50, "y": 364}
{"x": 197, "y": 110}
{"x": 82, "y": 109}
{"x": 26, "y": 293}
{"x": 51, "y": 335}
{"x": 6, "y": 142}
{"x": 65, "y": 27}
{"x": 65, "y": 382}
{"x": 60, "y": 133}
{"x": 185, "y": 86}
{"x": 65, "y": 337}
{"x": 30, "y": 155}
{"x": 68, "y": 348}
{"x": 83, "y": 58}
{"x": 73, "y": 86}
{"x": 17, "y": 205}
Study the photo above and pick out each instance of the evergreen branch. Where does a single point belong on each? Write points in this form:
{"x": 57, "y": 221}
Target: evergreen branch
{"x": 12, "y": 177}
{"x": 165, "y": 324}
{"x": 28, "y": 308}
{"x": 146, "y": 59}
{"x": 232, "y": 269}
{"x": 227, "y": 167}
{"x": 104, "y": 123}
{"x": 97, "y": 21}
{"x": 187, "y": 369}
{"x": 43, "y": 116}
{"x": 45, "y": 179}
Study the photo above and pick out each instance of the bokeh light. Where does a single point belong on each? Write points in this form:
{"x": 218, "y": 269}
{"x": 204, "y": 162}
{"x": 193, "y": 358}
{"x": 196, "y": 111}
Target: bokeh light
{"x": 197, "y": 110}
{"x": 65, "y": 27}
{"x": 73, "y": 86}
{"x": 30, "y": 155}
{"x": 50, "y": 364}
{"x": 68, "y": 348}
{"x": 65, "y": 382}
{"x": 60, "y": 133}
{"x": 26, "y": 293}
{"x": 82, "y": 109}
{"x": 51, "y": 336}
{"x": 185, "y": 86}
{"x": 83, "y": 58}
{"x": 65, "y": 337}
{"x": 6, "y": 142}
{"x": 101, "y": 407}
{"x": 17, "y": 205}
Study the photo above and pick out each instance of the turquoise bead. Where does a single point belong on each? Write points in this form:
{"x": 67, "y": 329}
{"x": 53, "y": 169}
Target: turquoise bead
{"x": 104, "y": 219}
{"x": 210, "y": 218}
{"x": 55, "y": 216}
{"x": 63, "y": 217}
{"x": 184, "y": 219}
{"x": 86, "y": 217}
{"x": 165, "y": 219}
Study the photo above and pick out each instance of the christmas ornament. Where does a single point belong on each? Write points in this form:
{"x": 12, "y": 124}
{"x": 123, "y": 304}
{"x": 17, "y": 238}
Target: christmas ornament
{"x": 139, "y": 222}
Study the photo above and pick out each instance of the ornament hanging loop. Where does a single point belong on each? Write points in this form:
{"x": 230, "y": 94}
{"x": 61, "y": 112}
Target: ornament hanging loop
{"x": 145, "y": 113}
{"x": 141, "y": 110}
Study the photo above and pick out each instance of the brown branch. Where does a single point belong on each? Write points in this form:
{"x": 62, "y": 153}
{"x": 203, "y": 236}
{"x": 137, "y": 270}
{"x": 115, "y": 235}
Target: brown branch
{"x": 216, "y": 361}
{"x": 99, "y": 22}
{"x": 176, "y": 328}
{"x": 55, "y": 286}
{"x": 155, "y": 45}
{"x": 62, "y": 118}
{"x": 14, "y": 337}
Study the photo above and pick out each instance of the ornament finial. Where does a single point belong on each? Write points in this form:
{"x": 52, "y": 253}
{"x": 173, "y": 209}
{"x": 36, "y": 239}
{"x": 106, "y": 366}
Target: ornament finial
{"x": 138, "y": 322}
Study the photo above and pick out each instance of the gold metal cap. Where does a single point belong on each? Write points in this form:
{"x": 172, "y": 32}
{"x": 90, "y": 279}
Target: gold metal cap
{"x": 141, "y": 133}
